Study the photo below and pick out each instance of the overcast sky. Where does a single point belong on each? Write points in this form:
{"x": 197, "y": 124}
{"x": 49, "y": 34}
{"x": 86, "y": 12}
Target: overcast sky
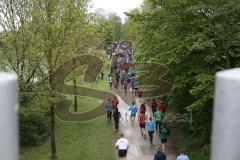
{"x": 118, "y": 6}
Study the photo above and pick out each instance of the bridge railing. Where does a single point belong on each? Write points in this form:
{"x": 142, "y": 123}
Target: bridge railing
{"x": 226, "y": 118}
{"x": 8, "y": 117}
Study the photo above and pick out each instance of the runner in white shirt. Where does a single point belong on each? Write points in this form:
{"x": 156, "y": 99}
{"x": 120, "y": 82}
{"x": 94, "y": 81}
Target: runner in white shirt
{"x": 182, "y": 156}
{"x": 122, "y": 145}
{"x": 110, "y": 78}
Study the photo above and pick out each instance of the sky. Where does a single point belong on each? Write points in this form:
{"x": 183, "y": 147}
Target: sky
{"x": 117, "y": 6}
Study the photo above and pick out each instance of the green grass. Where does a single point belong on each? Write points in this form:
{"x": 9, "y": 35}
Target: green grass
{"x": 99, "y": 84}
{"x": 77, "y": 141}
{"x": 84, "y": 104}
{"x": 92, "y": 140}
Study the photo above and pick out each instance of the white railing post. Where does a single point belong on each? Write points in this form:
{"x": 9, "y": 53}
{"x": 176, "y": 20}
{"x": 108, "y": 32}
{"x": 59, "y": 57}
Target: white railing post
{"x": 8, "y": 117}
{"x": 226, "y": 119}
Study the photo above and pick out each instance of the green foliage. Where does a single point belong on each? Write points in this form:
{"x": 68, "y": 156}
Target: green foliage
{"x": 108, "y": 26}
{"x": 34, "y": 122}
{"x": 202, "y": 154}
{"x": 195, "y": 39}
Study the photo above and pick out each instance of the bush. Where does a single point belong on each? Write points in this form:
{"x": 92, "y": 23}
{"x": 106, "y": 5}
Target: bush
{"x": 34, "y": 123}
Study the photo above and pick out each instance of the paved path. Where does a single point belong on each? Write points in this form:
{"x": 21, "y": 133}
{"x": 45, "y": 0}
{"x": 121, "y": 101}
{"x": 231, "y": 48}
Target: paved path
{"x": 139, "y": 147}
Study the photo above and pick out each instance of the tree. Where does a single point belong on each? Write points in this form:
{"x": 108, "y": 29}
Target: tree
{"x": 38, "y": 36}
{"x": 116, "y": 22}
{"x": 195, "y": 39}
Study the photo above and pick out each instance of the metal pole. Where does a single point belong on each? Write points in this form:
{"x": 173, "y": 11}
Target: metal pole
{"x": 226, "y": 119}
{"x": 8, "y": 117}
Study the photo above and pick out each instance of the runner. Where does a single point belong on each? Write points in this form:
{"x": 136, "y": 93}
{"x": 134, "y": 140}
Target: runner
{"x": 182, "y": 156}
{"x": 133, "y": 72}
{"x": 122, "y": 81}
{"x": 133, "y": 109}
{"x": 151, "y": 129}
{"x": 116, "y": 116}
{"x": 140, "y": 92}
{"x": 154, "y": 106}
{"x": 123, "y": 72}
{"x": 162, "y": 107}
{"x": 114, "y": 102}
{"x": 122, "y": 145}
{"x": 136, "y": 85}
{"x": 125, "y": 84}
{"x": 164, "y": 133}
{"x": 110, "y": 79}
{"x": 160, "y": 155}
{"x": 142, "y": 124}
{"x": 133, "y": 84}
{"x": 158, "y": 119}
{"x": 117, "y": 74}
{"x": 143, "y": 109}
{"x": 109, "y": 110}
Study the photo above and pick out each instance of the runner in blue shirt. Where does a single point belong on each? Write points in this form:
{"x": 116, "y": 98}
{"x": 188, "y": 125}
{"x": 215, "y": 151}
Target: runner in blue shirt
{"x": 109, "y": 110}
{"x": 133, "y": 72}
{"x": 133, "y": 84}
{"x": 133, "y": 109}
{"x": 182, "y": 156}
{"x": 151, "y": 126}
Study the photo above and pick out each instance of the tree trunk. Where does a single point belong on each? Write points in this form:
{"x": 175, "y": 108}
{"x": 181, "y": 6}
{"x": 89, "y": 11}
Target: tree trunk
{"x": 75, "y": 94}
{"x": 75, "y": 87}
{"x": 228, "y": 61}
{"x": 52, "y": 127}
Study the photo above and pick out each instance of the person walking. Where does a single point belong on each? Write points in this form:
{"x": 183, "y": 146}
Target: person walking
{"x": 164, "y": 133}
{"x": 117, "y": 74}
{"x": 114, "y": 102}
{"x": 182, "y": 156}
{"x": 154, "y": 106}
{"x": 109, "y": 110}
{"x": 142, "y": 124}
{"x": 133, "y": 84}
{"x": 158, "y": 119}
{"x": 132, "y": 72}
{"x": 116, "y": 116}
{"x": 151, "y": 129}
{"x": 122, "y": 145}
{"x": 143, "y": 109}
{"x": 140, "y": 92}
{"x": 110, "y": 79}
{"x": 136, "y": 86}
{"x": 162, "y": 107}
{"x": 125, "y": 87}
{"x": 160, "y": 155}
{"x": 133, "y": 109}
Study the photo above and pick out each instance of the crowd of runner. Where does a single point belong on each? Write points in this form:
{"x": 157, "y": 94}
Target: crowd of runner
{"x": 148, "y": 123}
{"x": 123, "y": 76}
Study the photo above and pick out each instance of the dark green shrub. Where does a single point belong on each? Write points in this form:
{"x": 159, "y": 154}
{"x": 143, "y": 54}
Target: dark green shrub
{"x": 34, "y": 122}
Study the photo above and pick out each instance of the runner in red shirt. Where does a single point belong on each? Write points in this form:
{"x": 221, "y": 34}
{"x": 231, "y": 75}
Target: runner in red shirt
{"x": 162, "y": 107}
{"x": 143, "y": 109}
{"x": 114, "y": 102}
{"x": 142, "y": 123}
{"x": 154, "y": 106}
{"x": 140, "y": 92}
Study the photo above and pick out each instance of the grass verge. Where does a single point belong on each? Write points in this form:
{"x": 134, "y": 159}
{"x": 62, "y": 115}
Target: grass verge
{"x": 79, "y": 140}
